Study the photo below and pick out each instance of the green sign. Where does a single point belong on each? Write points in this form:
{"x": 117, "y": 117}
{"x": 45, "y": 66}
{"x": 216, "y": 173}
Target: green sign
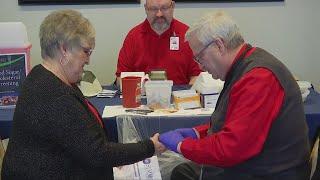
{"x": 12, "y": 74}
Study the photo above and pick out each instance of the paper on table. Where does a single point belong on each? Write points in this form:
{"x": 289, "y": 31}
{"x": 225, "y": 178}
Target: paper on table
{"x": 107, "y": 93}
{"x": 112, "y": 111}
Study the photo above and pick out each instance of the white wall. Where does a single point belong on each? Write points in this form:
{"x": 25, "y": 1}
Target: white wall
{"x": 287, "y": 29}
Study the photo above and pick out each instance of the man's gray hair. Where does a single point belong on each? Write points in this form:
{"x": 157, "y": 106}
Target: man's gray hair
{"x": 216, "y": 25}
{"x": 64, "y": 27}
{"x": 145, "y": 2}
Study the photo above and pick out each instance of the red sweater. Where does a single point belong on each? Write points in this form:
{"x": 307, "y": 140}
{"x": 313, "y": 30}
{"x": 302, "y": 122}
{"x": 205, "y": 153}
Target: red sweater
{"x": 258, "y": 94}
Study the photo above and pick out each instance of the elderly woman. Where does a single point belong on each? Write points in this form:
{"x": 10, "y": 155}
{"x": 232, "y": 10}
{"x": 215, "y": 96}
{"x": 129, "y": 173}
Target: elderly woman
{"x": 57, "y": 133}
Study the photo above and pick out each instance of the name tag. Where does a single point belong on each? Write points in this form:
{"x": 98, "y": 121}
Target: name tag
{"x": 174, "y": 43}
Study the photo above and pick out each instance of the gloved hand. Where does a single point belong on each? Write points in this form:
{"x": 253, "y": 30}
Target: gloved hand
{"x": 171, "y": 139}
{"x": 187, "y": 132}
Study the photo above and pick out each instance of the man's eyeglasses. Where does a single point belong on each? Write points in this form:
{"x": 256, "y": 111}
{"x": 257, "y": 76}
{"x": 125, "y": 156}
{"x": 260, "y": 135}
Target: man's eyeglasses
{"x": 197, "y": 57}
{"x": 88, "y": 51}
{"x": 163, "y": 9}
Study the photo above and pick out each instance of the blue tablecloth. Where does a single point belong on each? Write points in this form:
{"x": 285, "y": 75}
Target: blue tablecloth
{"x": 312, "y": 111}
{"x": 6, "y": 116}
{"x": 162, "y": 124}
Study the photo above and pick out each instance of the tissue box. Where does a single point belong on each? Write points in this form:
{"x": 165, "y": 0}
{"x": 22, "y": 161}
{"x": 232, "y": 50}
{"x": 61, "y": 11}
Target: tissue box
{"x": 205, "y": 84}
{"x": 186, "y": 99}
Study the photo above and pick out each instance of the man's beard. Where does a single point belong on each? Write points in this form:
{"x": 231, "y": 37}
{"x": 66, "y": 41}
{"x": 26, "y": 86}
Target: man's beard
{"x": 160, "y": 26}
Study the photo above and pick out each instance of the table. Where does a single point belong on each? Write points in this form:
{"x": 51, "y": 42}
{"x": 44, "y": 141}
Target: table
{"x": 163, "y": 123}
{"x": 146, "y": 126}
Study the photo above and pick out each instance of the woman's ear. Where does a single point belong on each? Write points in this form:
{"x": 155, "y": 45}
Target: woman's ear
{"x": 63, "y": 59}
{"x": 63, "y": 50}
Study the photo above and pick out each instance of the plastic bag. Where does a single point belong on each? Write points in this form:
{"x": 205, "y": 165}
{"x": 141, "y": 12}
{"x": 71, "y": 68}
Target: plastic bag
{"x": 129, "y": 133}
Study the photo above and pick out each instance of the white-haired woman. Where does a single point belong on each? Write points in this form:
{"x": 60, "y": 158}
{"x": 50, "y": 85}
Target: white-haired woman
{"x": 57, "y": 133}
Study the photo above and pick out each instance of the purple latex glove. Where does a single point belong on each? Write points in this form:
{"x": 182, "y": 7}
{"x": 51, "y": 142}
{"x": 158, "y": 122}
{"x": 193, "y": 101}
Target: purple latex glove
{"x": 187, "y": 132}
{"x": 171, "y": 139}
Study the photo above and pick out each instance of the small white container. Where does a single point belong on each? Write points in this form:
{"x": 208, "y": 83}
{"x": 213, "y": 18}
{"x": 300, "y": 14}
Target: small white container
{"x": 13, "y": 35}
{"x": 14, "y": 40}
{"x": 158, "y": 94}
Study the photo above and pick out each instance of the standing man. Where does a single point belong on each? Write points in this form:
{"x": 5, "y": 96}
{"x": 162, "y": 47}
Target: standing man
{"x": 158, "y": 43}
{"x": 258, "y": 130}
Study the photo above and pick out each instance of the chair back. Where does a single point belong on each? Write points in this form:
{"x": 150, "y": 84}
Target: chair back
{"x": 2, "y": 151}
{"x": 314, "y": 158}
{"x": 89, "y": 84}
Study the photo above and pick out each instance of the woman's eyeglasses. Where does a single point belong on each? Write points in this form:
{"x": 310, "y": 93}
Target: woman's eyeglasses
{"x": 88, "y": 51}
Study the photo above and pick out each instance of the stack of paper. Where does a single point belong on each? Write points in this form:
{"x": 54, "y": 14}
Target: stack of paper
{"x": 107, "y": 93}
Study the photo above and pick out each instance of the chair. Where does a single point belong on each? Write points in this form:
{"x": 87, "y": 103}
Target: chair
{"x": 89, "y": 84}
{"x": 315, "y": 160}
{"x": 2, "y": 151}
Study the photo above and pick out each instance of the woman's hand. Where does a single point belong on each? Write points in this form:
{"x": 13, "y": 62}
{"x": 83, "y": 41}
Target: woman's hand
{"x": 158, "y": 146}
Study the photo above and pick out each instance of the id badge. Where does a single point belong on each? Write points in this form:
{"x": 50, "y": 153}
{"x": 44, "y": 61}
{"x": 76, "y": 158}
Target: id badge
{"x": 174, "y": 43}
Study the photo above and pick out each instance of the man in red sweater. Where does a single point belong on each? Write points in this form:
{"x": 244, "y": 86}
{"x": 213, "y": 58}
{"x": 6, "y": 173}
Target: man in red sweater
{"x": 158, "y": 43}
{"x": 258, "y": 129}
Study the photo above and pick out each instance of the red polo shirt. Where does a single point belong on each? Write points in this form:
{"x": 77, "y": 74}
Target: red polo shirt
{"x": 144, "y": 50}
